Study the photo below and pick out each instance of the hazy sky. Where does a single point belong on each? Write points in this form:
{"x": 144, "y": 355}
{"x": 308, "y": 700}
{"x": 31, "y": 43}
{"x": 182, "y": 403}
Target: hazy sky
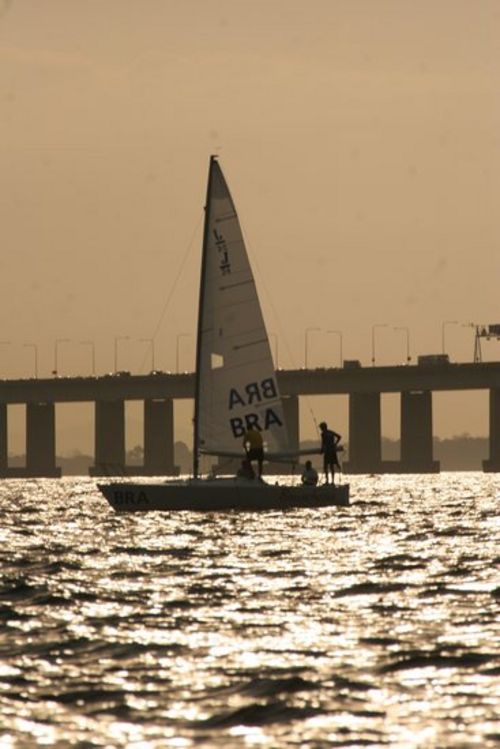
{"x": 360, "y": 139}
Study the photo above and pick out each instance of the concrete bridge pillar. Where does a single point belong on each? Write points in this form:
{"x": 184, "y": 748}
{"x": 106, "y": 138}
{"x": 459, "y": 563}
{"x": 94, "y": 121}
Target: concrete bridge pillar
{"x": 3, "y": 440}
{"x": 493, "y": 462}
{"x": 416, "y": 433}
{"x": 41, "y": 440}
{"x": 109, "y": 439}
{"x": 159, "y": 438}
{"x": 365, "y": 452}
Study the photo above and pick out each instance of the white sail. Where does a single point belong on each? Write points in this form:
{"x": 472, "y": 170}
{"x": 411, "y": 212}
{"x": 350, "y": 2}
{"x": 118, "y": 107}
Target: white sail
{"x": 237, "y": 385}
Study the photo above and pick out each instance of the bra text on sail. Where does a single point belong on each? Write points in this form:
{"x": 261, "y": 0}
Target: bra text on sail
{"x": 254, "y": 392}
{"x": 239, "y": 425}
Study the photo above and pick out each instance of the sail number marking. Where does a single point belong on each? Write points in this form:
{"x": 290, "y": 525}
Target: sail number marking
{"x": 220, "y": 243}
{"x": 129, "y": 498}
{"x": 254, "y": 392}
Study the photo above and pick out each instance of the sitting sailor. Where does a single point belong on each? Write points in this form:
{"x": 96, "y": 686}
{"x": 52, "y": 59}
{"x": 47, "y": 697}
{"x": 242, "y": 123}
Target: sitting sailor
{"x": 309, "y": 475}
{"x": 245, "y": 471}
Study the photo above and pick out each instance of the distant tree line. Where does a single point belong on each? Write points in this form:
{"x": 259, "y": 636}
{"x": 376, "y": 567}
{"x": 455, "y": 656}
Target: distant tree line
{"x": 460, "y": 453}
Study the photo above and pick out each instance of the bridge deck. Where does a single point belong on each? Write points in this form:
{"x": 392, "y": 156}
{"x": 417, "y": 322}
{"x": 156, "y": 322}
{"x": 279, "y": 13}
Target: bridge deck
{"x": 326, "y": 381}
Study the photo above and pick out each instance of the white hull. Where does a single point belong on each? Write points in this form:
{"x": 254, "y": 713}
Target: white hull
{"x": 208, "y": 495}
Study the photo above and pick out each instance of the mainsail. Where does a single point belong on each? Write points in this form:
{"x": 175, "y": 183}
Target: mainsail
{"x": 236, "y": 381}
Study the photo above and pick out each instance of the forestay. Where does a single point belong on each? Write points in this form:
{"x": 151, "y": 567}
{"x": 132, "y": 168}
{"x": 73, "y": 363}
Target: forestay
{"x": 237, "y": 385}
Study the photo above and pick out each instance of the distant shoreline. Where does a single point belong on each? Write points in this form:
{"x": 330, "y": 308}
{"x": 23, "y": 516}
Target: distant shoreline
{"x": 460, "y": 453}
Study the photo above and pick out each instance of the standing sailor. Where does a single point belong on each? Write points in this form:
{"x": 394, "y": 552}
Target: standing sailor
{"x": 254, "y": 448}
{"x": 329, "y": 447}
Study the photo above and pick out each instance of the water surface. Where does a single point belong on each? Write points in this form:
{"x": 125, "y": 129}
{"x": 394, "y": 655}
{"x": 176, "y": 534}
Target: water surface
{"x": 374, "y": 625}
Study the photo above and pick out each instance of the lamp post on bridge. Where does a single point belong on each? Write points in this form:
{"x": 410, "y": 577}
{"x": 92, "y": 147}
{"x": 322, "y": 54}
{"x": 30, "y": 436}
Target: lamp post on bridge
{"x": 339, "y": 333}
{"x": 477, "y": 345}
{"x": 306, "y": 343}
{"x": 56, "y": 351}
{"x": 35, "y": 351}
{"x": 407, "y": 331}
{"x": 443, "y": 328}
{"x": 374, "y": 327}
{"x": 92, "y": 347}
{"x": 117, "y": 339}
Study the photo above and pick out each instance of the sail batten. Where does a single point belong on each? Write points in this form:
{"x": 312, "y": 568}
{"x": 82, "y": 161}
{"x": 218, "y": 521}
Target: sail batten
{"x": 237, "y": 383}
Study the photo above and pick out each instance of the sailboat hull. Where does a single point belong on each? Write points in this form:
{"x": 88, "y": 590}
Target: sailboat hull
{"x": 212, "y": 495}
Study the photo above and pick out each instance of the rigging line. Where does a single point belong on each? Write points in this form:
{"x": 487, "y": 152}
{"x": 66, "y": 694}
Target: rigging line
{"x": 173, "y": 287}
{"x": 262, "y": 281}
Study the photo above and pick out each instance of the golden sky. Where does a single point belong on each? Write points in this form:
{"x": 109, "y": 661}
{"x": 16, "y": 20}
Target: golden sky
{"x": 360, "y": 139}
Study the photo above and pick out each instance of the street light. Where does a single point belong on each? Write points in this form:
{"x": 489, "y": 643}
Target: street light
{"x": 339, "y": 333}
{"x": 151, "y": 342}
{"x": 56, "y": 347}
{"x": 443, "y": 326}
{"x": 275, "y": 337}
{"x": 35, "y": 350}
{"x": 179, "y": 336}
{"x": 377, "y": 325}
{"x": 306, "y": 343}
{"x": 477, "y": 343}
{"x": 92, "y": 345}
{"x": 407, "y": 331}
{"x": 119, "y": 338}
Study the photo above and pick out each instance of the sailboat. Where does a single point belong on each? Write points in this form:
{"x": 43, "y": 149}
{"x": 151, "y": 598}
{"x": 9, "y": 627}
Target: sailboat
{"x": 236, "y": 386}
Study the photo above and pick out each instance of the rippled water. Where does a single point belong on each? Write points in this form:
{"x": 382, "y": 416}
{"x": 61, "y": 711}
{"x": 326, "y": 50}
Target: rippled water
{"x": 376, "y": 625}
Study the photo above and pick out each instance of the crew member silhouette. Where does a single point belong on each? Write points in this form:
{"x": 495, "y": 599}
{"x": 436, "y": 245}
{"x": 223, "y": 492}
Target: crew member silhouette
{"x": 329, "y": 447}
{"x": 254, "y": 448}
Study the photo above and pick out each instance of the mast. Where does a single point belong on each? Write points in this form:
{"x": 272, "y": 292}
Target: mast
{"x": 196, "y": 446}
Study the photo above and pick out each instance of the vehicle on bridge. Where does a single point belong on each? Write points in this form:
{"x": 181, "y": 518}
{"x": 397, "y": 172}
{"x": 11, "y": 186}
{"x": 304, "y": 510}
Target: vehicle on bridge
{"x": 433, "y": 360}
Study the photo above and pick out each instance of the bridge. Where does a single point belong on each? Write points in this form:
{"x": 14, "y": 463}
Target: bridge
{"x": 363, "y": 385}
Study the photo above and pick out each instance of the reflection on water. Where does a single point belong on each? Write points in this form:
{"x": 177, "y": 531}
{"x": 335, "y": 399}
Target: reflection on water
{"x": 374, "y": 625}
